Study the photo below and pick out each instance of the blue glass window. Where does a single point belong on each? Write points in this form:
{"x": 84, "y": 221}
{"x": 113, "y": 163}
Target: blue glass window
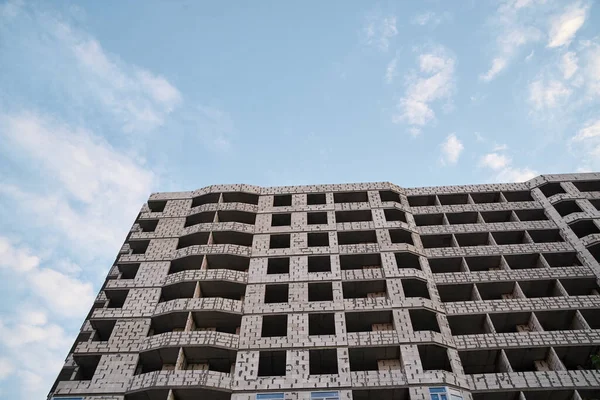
{"x": 324, "y": 396}
{"x": 441, "y": 393}
{"x": 67, "y": 398}
{"x": 270, "y": 396}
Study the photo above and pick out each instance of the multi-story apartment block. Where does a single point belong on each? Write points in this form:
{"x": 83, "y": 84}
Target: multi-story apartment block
{"x": 357, "y": 292}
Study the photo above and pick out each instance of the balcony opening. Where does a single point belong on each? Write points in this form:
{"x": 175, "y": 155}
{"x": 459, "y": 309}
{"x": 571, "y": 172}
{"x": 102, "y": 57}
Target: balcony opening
{"x": 239, "y": 197}
{"x": 482, "y": 362}
{"x": 148, "y": 225}
{"x": 460, "y": 292}
{"x": 316, "y": 198}
{"x": 87, "y": 367}
{"x": 209, "y": 198}
{"x": 429, "y": 219}
{"x": 360, "y": 261}
{"x": 592, "y": 317}
{"x": 389, "y": 195}
{"x": 173, "y": 322}
{"x": 501, "y": 395}
{"x": 472, "y": 239}
{"x": 524, "y": 261}
{"x": 321, "y": 324}
{"x": 484, "y": 263}
{"x": 232, "y": 237}
{"x": 364, "y": 289}
{"x": 208, "y": 358}
{"x": 316, "y": 218}
{"x": 356, "y": 237}
{"x": 318, "y": 239}
{"x": 281, "y": 219}
{"x": 274, "y": 325}
{"x": 587, "y": 186}
{"x": 195, "y": 239}
{"x": 215, "y": 321}
{"x": 103, "y": 329}
{"x": 278, "y": 265}
{"x": 581, "y": 286}
{"x": 595, "y": 203}
{"x": 485, "y": 197}
{"x": 186, "y": 264}
{"x": 116, "y": 298}
{"x": 353, "y": 216}
{"x": 401, "y": 236}
{"x": 517, "y": 196}
{"x": 595, "y": 251}
{"x": 242, "y": 217}
{"x": 434, "y": 358}
{"x": 565, "y": 208}
{"x": 319, "y": 264}
{"x": 445, "y": 265}
{"x": 392, "y": 214}
{"x": 550, "y": 189}
{"x": 157, "y": 205}
{"x": 182, "y": 290}
{"x": 541, "y": 288}
{"x": 526, "y": 359}
{"x": 462, "y": 218}
{"x": 453, "y": 199}
{"x": 222, "y": 289}
{"x": 381, "y": 394}
{"x": 415, "y": 288}
{"x": 227, "y": 261}
{"x": 205, "y": 217}
{"x": 323, "y": 361}
{"x": 139, "y": 246}
{"x": 424, "y": 320}
{"x": 322, "y": 291}
{"x": 276, "y": 293}
{"x": 128, "y": 271}
{"x": 496, "y": 290}
{"x": 188, "y": 393}
{"x": 369, "y": 321}
{"x": 492, "y": 217}
{"x": 531, "y": 215}
{"x": 585, "y": 394}
{"x": 407, "y": 260}
{"x": 511, "y": 322}
{"x": 272, "y": 363}
{"x": 282, "y": 200}
{"x": 279, "y": 241}
{"x": 584, "y": 228}
{"x": 568, "y": 259}
{"x": 545, "y": 236}
{"x": 509, "y": 237}
{"x": 435, "y": 241}
{"x": 375, "y": 358}
{"x": 563, "y": 320}
{"x": 421, "y": 201}
{"x": 468, "y": 324}
{"x": 350, "y": 197}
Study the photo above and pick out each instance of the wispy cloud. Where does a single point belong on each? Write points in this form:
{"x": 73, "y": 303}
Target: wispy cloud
{"x": 547, "y": 94}
{"x": 433, "y": 82}
{"x": 495, "y": 161}
{"x": 452, "y": 147}
{"x": 380, "y": 30}
{"x": 503, "y": 169}
{"x": 586, "y": 145}
{"x": 390, "y": 70}
{"x": 563, "y": 27}
{"x": 568, "y": 64}
{"x": 429, "y": 18}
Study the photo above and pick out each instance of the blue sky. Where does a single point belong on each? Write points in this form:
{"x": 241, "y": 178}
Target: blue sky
{"x": 102, "y": 103}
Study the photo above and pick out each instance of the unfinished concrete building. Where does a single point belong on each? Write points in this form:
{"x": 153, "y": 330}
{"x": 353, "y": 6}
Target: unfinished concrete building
{"x": 364, "y": 291}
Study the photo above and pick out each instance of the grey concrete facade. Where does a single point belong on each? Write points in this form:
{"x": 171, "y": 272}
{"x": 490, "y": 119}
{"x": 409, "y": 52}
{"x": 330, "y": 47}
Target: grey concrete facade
{"x": 370, "y": 291}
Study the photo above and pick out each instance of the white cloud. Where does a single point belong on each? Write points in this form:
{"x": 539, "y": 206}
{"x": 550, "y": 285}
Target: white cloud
{"x": 530, "y": 56}
{"x": 6, "y": 367}
{"x": 511, "y": 174}
{"x": 549, "y": 94}
{"x": 498, "y": 64}
{"x": 586, "y": 145}
{"x": 568, "y": 64}
{"x": 379, "y": 30}
{"x": 564, "y": 27}
{"x": 434, "y": 82}
{"x": 451, "y": 149}
{"x": 63, "y": 294}
{"x": 428, "y": 18}
{"x": 589, "y": 131}
{"x": 390, "y": 71}
{"x": 98, "y": 189}
{"x": 494, "y": 161}
{"x": 500, "y": 147}
{"x": 17, "y": 259}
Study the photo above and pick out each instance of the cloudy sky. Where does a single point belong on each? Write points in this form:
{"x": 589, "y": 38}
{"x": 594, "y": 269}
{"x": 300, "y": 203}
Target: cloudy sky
{"x": 102, "y": 103}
